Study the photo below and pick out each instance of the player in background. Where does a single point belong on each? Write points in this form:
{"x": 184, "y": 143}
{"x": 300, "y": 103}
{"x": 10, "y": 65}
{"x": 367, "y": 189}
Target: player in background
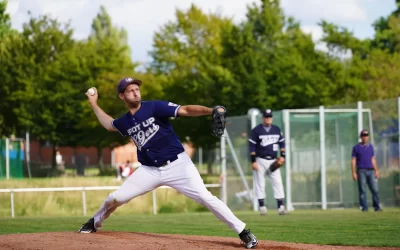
{"x": 163, "y": 158}
{"x": 265, "y": 142}
{"x": 365, "y": 171}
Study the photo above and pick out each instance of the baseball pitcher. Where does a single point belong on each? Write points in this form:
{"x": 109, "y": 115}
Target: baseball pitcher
{"x": 163, "y": 158}
{"x": 265, "y": 142}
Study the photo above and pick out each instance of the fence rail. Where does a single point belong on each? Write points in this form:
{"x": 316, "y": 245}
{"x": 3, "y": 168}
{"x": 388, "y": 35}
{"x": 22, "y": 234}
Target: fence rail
{"x": 83, "y": 189}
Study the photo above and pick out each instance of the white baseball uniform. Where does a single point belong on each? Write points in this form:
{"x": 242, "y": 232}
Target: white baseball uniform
{"x": 275, "y": 179}
{"x": 265, "y": 142}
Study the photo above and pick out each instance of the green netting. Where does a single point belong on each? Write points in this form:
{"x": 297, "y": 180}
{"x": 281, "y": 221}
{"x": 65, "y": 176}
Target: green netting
{"x": 386, "y": 143}
{"x": 237, "y": 196}
{"x": 305, "y": 162}
{"x": 341, "y": 133}
{"x": 16, "y": 158}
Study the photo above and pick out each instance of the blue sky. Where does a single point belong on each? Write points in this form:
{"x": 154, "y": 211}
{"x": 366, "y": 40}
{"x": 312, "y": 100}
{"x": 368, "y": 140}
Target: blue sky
{"x": 142, "y": 17}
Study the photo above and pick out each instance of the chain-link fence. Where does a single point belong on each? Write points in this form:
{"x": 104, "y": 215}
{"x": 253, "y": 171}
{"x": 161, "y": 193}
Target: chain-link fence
{"x": 319, "y": 143}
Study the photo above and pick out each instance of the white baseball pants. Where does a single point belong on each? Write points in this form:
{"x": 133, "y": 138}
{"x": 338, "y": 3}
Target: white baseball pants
{"x": 181, "y": 175}
{"x": 275, "y": 179}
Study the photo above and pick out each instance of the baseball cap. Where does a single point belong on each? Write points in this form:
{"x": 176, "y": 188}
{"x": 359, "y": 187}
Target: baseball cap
{"x": 125, "y": 82}
{"x": 364, "y": 132}
{"x": 267, "y": 113}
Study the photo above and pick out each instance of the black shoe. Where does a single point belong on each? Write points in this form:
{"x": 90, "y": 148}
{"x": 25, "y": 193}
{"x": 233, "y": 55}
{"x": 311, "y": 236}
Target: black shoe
{"x": 248, "y": 239}
{"x": 88, "y": 227}
{"x": 378, "y": 210}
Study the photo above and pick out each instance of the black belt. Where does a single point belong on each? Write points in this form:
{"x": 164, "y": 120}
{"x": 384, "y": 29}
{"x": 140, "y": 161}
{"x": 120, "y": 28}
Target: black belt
{"x": 268, "y": 157}
{"x": 169, "y": 161}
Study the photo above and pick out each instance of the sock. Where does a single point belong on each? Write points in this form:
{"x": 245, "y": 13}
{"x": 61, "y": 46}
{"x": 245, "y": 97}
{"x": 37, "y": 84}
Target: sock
{"x": 280, "y": 202}
{"x": 261, "y": 202}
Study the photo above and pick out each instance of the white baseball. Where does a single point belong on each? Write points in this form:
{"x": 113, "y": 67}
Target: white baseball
{"x": 91, "y": 91}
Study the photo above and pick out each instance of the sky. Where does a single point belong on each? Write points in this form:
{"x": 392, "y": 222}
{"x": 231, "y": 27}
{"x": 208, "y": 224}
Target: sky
{"x": 141, "y": 18}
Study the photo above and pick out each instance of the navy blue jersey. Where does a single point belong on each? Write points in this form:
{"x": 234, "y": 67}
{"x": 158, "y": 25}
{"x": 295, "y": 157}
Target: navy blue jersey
{"x": 152, "y": 132}
{"x": 266, "y": 141}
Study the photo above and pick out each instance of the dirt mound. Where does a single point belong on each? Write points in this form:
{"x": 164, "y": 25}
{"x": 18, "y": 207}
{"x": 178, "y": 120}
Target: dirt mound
{"x": 125, "y": 240}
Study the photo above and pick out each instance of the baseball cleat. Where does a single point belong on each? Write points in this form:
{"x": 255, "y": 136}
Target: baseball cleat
{"x": 282, "y": 211}
{"x": 88, "y": 227}
{"x": 248, "y": 239}
{"x": 263, "y": 210}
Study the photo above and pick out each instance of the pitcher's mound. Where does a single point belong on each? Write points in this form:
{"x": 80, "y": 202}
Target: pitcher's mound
{"x": 125, "y": 240}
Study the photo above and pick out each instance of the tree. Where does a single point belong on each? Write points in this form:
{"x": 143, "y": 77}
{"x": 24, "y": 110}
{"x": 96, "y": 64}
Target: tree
{"x": 8, "y": 38}
{"x": 49, "y": 75}
{"x": 186, "y": 59}
{"x": 5, "y": 20}
{"x": 111, "y": 43}
{"x": 387, "y": 32}
{"x": 276, "y": 62}
{"x": 369, "y": 73}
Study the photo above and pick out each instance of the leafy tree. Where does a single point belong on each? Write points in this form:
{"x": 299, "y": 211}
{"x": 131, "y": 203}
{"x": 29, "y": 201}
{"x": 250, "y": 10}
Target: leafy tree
{"x": 369, "y": 73}
{"x": 186, "y": 59}
{"x": 49, "y": 75}
{"x": 277, "y": 62}
{"x": 8, "y": 38}
{"x": 387, "y": 31}
{"x": 5, "y": 20}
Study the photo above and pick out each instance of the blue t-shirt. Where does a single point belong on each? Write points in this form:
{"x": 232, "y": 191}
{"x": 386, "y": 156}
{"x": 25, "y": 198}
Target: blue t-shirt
{"x": 152, "y": 132}
{"x": 363, "y": 155}
{"x": 266, "y": 141}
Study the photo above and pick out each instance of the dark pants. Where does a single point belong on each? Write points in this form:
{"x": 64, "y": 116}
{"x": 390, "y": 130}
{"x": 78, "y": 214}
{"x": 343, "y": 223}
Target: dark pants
{"x": 367, "y": 176}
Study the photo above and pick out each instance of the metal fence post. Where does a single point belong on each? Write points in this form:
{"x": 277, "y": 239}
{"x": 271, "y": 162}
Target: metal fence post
{"x": 7, "y": 158}
{"x": 12, "y": 204}
{"x": 286, "y": 124}
{"x": 359, "y": 118}
{"x": 28, "y": 154}
{"x": 253, "y": 113}
{"x": 322, "y": 156}
{"x": 201, "y": 158}
{"x": 154, "y": 202}
{"x": 84, "y": 201}
{"x": 223, "y": 169}
{"x": 398, "y": 131}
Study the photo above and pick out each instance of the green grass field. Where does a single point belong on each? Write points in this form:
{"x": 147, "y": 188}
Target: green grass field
{"x": 334, "y": 227}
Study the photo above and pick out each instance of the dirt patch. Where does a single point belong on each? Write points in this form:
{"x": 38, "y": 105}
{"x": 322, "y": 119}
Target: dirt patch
{"x": 125, "y": 240}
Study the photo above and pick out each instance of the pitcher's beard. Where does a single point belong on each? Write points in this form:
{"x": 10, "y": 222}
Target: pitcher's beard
{"x": 134, "y": 104}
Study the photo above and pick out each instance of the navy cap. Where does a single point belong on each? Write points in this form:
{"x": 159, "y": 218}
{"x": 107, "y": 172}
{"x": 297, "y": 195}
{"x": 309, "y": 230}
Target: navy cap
{"x": 125, "y": 82}
{"x": 364, "y": 132}
{"x": 267, "y": 113}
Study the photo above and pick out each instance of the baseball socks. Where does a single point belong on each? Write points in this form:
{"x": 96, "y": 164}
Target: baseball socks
{"x": 281, "y": 207}
{"x": 263, "y": 208}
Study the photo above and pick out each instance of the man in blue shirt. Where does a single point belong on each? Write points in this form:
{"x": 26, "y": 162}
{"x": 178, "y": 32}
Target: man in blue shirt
{"x": 163, "y": 158}
{"x": 365, "y": 171}
{"x": 265, "y": 143}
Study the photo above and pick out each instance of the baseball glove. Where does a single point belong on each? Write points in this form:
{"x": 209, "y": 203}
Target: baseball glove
{"x": 219, "y": 121}
{"x": 274, "y": 166}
